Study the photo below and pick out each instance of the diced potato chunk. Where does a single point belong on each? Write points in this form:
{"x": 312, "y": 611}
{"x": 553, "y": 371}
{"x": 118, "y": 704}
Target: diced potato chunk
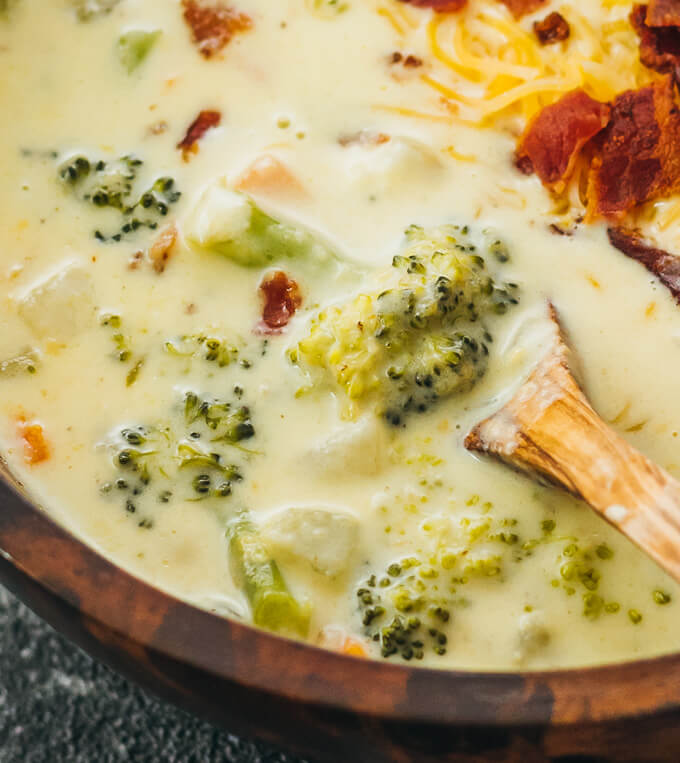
{"x": 534, "y": 635}
{"x": 396, "y": 164}
{"x": 325, "y": 538}
{"x": 59, "y": 306}
{"x": 220, "y": 215}
{"x": 355, "y": 449}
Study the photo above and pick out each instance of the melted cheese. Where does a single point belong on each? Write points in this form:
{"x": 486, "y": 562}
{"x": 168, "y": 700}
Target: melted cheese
{"x": 289, "y": 89}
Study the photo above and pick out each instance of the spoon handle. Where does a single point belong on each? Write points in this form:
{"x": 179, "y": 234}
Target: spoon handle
{"x": 550, "y": 430}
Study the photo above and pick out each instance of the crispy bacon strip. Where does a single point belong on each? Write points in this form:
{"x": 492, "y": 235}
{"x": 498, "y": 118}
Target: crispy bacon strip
{"x": 664, "y": 265}
{"x": 554, "y": 28}
{"x": 552, "y": 141}
{"x": 663, "y": 13}
{"x": 659, "y": 46}
{"x": 36, "y": 447}
{"x": 440, "y": 6}
{"x": 637, "y": 156}
{"x": 196, "y": 130}
{"x": 282, "y": 298}
{"x": 213, "y": 24}
{"x": 520, "y": 8}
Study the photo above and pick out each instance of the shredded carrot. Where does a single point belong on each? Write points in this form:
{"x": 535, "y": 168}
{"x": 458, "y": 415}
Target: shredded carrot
{"x": 267, "y": 174}
{"x": 36, "y": 447}
{"x": 353, "y": 648}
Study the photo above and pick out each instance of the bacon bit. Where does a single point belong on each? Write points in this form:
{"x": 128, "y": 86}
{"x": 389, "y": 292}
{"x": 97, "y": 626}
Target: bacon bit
{"x": 552, "y": 141}
{"x": 638, "y": 154}
{"x": 520, "y": 8}
{"x": 439, "y": 6}
{"x": 410, "y": 61}
{"x": 196, "y": 130}
{"x": 554, "y": 28}
{"x": 135, "y": 261}
{"x": 269, "y": 175}
{"x": 213, "y": 25}
{"x": 664, "y": 265}
{"x": 281, "y": 299}
{"x": 36, "y": 447}
{"x": 161, "y": 249}
{"x": 363, "y": 138}
{"x": 659, "y": 47}
{"x": 663, "y": 13}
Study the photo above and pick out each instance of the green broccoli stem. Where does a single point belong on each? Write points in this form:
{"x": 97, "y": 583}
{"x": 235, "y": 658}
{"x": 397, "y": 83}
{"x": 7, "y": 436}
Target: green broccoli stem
{"x": 272, "y": 605}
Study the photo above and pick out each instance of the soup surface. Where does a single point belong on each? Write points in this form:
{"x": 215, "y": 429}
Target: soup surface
{"x": 262, "y": 268}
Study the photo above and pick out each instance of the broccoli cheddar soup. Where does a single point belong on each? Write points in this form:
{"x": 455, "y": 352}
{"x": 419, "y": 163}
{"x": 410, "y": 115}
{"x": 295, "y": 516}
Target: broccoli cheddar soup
{"x": 264, "y": 265}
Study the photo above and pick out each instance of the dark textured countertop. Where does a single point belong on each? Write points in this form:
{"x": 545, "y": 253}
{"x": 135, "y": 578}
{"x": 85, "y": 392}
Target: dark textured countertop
{"x": 58, "y": 705}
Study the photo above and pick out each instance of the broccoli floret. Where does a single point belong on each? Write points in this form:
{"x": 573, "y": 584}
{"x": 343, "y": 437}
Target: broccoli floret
{"x": 420, "y": 335}
{"x": 134, "y": 46}
{"x": 403, "y": 610}
{"x": 211, "y": 348}
{"x": 232, "y": 225}
{"x": 228, "y": 423}
{"x": 188, "y": 457}
{"x": 112, "y": 185}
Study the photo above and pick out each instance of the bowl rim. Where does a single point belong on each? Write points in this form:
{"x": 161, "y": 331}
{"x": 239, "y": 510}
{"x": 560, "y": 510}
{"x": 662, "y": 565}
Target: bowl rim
{"x": 43, "y": 550}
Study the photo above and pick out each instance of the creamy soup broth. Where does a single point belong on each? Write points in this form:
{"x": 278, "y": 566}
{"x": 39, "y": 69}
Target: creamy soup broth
{"x": 101, "y": 351}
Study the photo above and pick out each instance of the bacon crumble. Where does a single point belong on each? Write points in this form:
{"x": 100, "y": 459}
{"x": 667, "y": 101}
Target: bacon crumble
{"x": 551, "y": 143}
{"x": 282, "y": 298}
{"x": 205, "y": 121}
{"x": 659, "y": 46}
{"x": 439, "y": 6}
{"x": 637, "y": 156}
{"x": 552, "y": 29}
{"x": 664, "y": 265}
{"x": 161, "y": 249}
{"x": 213, "y": 24}
{"x": 663, "y": 13}
{"x": 520, "y": 8}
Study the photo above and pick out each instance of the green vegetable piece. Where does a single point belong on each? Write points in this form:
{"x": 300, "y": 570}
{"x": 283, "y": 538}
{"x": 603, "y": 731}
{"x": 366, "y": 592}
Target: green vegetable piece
{"x": 232, "y": 225}
{"x": 86, "y": 10}
{"x": 417, "y": 337}
{"x": 134, "y": 46}
{"x": 272, "y": 604}
{"x": 661, "y": 597}
{"x": 27, "y": 363}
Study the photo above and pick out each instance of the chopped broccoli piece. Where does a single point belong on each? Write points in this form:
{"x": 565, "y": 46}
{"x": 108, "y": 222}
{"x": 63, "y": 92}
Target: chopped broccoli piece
{"x": 231, "y": 224}
{"x": 86, "y": 10}
{"x": 26, "y": 362}
{"x": 113, "y": 185}
{"x": 211, "y": 348}
{"x": 134, "y": 46}
{"x": 328, "y": 9}
{"x": 272, "y": 604}
{"x": 185, "y": 457}
{"x": 403, "y": 611}
{"x": 420, "y": 335}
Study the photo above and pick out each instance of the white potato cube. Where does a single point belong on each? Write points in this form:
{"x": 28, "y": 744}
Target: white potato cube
{"x": 59, "y": 306}
{"x": 357, "y": 448}
{"x": 325, "y": 538}
{"x": 393, "y": 166}
{"x": 534, "y": 635}
{"x": 220, "y": 215}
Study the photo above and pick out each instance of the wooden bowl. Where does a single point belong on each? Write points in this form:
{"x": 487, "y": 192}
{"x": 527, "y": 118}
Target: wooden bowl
{"x": 318, "y": 703}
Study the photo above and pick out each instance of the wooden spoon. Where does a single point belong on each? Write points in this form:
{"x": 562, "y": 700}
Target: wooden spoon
{"x": 550, "y": 431}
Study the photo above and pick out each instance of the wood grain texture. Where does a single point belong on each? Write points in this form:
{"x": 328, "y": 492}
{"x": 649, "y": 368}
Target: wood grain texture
{"x": 550, "y": 430}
